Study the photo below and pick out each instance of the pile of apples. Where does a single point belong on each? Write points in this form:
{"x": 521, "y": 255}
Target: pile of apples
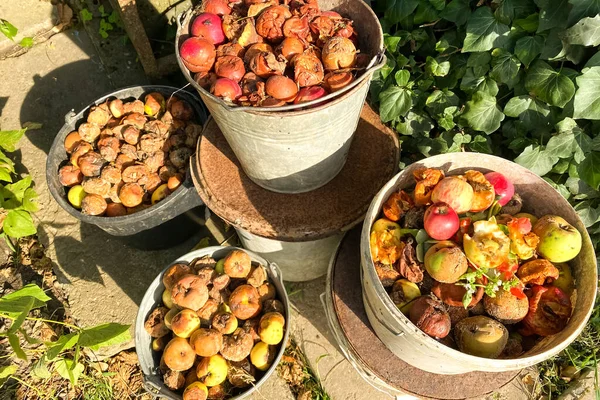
{"x": 219, "y": 326}
{"x": 267, "y": 54}
{"x": 461, "y": 260}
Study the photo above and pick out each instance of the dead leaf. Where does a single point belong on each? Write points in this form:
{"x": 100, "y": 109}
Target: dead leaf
{"x": 32, "y": 126}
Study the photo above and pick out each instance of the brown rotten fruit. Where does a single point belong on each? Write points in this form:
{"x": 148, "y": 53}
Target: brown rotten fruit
{"x": 185, "y": 322}
{"x": 337, "y": 80}
{"x": 297, "y": 28}
{"x": 290, "y": 47}
{"x": 308, "y": 70}
{"x": 231, "y": 67}
{"x": 506, "y": 307}
{"x": 281, "y": 88}
{"x": 190, "y": 292}
{"x": 206, "y": 342}
{"x": 79, "y": 150}
{"x": 338, "y": 53}
{"x": 265, "y": 64}
{"x": 237, "y": 346}
{"x": 69, "y": 176}
{"x": 131, "y": 194}
{"x": 109, "y": 147}
{"x": 91, "y": 163}
{"x": 174, "y": 273}
{"x": 115, "y": 210}
{"x": 430, "y": 315}
{"x": 270, "y": 22}
{"x": 179, "y": 355}
{"x": 71, "y": 140}
{"x": 93, "y": 204}
{"x": 155, "y": 323}
{"x": 97, "y": 186}
{"x": 237, "y": 264}
{"x": 225, "y": 322}
{"x": 89, "y": 132}
{"x": 205, "y": 79}
{"x": 245, "y": 302}
{"x": 255, "y": 49}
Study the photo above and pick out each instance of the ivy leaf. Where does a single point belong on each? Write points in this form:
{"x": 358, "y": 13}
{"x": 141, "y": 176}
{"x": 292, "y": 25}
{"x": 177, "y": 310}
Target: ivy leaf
{"x": 8, "y": 29}
{"x": 528, "y": 48}
{"x": 446, "y": 119}
{"x": 18, "y": 224}
{"x": 391, "y": 42}
{"x": 484, "y": 32}
{"x": 387, "y": 69}
{"x": 505, "y": 66}
{"x": 9, "y": 139}
{"x": 479, "y": 59}
{"x": 561, "y": 145}
{"x": 548, "y": 85}
{"x": 517, "y": 106}
{"x": 529, "y": 24}
{"x": 103, "y": 335}
{"x": 399, "y": 9}
{"x": 415, "y": 122}
{"x": 457, "y": 11}
{"x": 17, "y": 190}
{"x": 588, "y": 214}
{"x": 402, "y": 77}
{"x": 395, "y": 102}
{"x": 552, "y": 14}
{"x": 425, "y": 13}
{"x": 586, "y": 32}
{"x": 482, "y": 113}
{"x": 439, "y": 100}
{"x": 589, "y": 170}
{"x": 587, "y": 98}
{"x": 537, "y": 160}
{"x": 510, "y": 9}
{"x": 480, "y": 144}
{"x": 473, "y": 82}
{"x": 86, "y": 15}
{"x": 30, "y": 200}
{"x": 436, "y": 69}
{"x": 582, "y": 9}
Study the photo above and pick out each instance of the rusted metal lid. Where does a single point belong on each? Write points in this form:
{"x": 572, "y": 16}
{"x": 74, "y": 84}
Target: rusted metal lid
{"x": 342, "y": 203}
{"x": 366, "y": 346}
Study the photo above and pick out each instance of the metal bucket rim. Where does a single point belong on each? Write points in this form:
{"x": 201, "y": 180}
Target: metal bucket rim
{"x": 398, "y": 316}
{"x": 377, "y": 61}
{"x": 274, "y": 273}
{"x": 179, "y": 193}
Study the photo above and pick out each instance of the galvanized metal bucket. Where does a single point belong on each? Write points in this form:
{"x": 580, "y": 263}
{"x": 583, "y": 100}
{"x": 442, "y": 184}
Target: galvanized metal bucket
{"x": 413, "y": 346}
{"x": 297, "y": 148}
{"x": 149, "y": 359}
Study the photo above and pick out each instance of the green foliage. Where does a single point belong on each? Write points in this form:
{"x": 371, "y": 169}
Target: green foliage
{"x": 61, "y": 355}
{"x": 515, "y": 78}
{"x": 10, "y": 31}
{"x": 17, "y": 198}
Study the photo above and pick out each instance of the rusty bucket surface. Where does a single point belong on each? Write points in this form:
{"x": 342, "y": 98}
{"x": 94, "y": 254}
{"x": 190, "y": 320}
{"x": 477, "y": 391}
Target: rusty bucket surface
{"x": 297, "y": 148}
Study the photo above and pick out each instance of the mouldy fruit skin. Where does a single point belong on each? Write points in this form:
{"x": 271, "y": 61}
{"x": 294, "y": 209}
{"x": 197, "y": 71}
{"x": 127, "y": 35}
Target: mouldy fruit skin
{"x": 308, "y": 70}
{"x": 403, "y": 292}
{"x": 206, "y": 342}
{"x": 231, "y": 67}
{"x": 174, "y": 380}
{"x": 69, "y": 176}
{"x": 71, "y": 140}
{"x": 245, "y": 302}
{"x": 237, "y": 346}
{"x": 237, "y": 264}
{"x": 480, "y": 336}
{"x": 559, "y": 241}
{"x": 537, "y": 272}
{"x": 174, "y": 273}
{"x": 549, "y": 311}
{"x": 225, "y": 322}
{"x": 185, "y": 323}
{"x": 190, "y": 292}
{"x": 269, "y": 23}
{"x": 506, "y": 307}
{"x": 445, "y": 262}
{"x": 93, "y": 204}
{"x": 430, "y": 316}
{"x": 155, "y": 323}
{"x": 489, "y": 247}
{"x": 454, "y": 191}
{"x": 195, "y": 391}
{"x": 179, "y": 355}
{"x": 339, "y": 52}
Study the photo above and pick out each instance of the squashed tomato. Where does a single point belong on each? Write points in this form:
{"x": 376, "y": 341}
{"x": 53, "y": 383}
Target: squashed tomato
{"x": 385, "y": 241}
{"x": 549, "y": 311}
{"x": 483, "y": 191}
{"x": 523, "y": 241}
{"x": 489, "y": 247}
{"x": 426, "y": 179}
{"x": 397, "y": 205}
{"x": 508, "y": 268}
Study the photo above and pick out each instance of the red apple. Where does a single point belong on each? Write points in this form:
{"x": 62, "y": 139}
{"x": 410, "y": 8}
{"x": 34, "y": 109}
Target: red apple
{"x": 455, "y": 191}
{"x": 309, "y": 93}
{"x": 503, "y": 187}
{"x": 441, "y": 221}
{"x": 208, "y": 26}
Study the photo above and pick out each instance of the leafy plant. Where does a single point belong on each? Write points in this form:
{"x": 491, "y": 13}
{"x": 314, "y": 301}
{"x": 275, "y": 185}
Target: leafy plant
{"x": 64, "y": 355}
{"x": 10, "y": 31}
{"x": 515, "y": 78}
{"x": 17, "y": 198}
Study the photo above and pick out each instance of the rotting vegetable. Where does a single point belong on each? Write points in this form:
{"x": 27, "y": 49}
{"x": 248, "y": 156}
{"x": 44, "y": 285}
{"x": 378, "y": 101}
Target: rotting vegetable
{"x": 486, "y": 257}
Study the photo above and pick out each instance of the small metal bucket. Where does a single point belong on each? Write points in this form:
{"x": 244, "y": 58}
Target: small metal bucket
{"x": 297, "y": 148}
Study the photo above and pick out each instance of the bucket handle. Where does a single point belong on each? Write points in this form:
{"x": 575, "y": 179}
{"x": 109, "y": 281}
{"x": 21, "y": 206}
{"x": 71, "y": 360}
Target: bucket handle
{"x": 376, "y": 63}
{"x": 381, "y": 320}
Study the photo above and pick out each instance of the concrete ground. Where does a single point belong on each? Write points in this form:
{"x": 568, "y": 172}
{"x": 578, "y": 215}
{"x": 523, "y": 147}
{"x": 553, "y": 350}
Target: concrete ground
{"x": 106, "y": 277}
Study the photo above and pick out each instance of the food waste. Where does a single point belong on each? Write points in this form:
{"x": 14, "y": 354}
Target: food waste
{"x": 463, "y": 261}
{"x": 219, "y": 327}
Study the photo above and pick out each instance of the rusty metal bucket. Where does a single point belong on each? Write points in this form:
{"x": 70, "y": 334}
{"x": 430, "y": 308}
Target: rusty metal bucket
{"x": 297, "y": 148}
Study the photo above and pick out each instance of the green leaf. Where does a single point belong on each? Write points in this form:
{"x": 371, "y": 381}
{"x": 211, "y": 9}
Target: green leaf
{"x": 528, "y": 48}
{"x": 395, "y": 102}
{"x": 587, "y": 98}
{"x": 482, "y": 113}
{"x": 436, "y": 69}
{"x": 15, "y": 343}
{"x": 535, "y": 159}
{"x": 467, "y": 298}
{"x": 30, "y": 290}
{"x": 589, "y": 170}
{"x": 594, "y": 61}
{"x": 582, "y": 9}
{"x": 6, "y": 372}
{"x": 86, "y": 15}
{"x": 517, "y": 106}
{"x": 439, "y": 100}
{"x": 17, "y": 190}
{"x": 30, "y": 200}
{"x": 40, "y": 369}
{"x": 529, "y": 24}
{"x": 505, "y": 66}
{"x": 510, "y": 9}
{"x": 402, "y": 77}
{"x": 472, "y": 83}
{"x": 387, "y": 69}
{"x": 484, "y": 32}
{"x": 63, "y": 343}
{"x": 68, "y": 369}
{"x": 561, "y": 145}
{"x": 18, "y": 224}
{"x": 26, "y": 42}
{"x": 446, "y": 119}
{"x": 438, "y": 4}
{"x": 415, "y": 122}
{"x": 589, "y": 215}
{"x": 457, "y": 11}
{"x": 552, "y": 14}
{"x": 5, "y": 175}
{"x": 399, "y": 9}
{"x": 480, "y": 144}
{"x": 21, "y": 318}
{"x": 548, "y": 85}
{"x": 425, "y": 13}
{"x": 9, "y": 139}
{"x": 8, "y": 29}
{"x": 391, "y": 42}
{"x": 104, "y": 335}
{"x": 585, "y": 32}
{"x": 479, "y": 59}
